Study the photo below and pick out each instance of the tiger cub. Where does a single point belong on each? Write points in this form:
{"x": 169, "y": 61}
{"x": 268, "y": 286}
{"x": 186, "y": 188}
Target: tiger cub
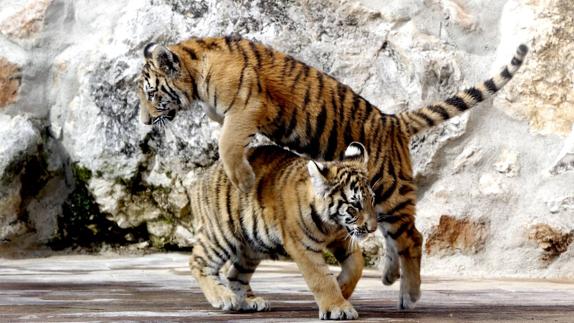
{"x": 252, "y": 88}
{"x": 296, "y": 208}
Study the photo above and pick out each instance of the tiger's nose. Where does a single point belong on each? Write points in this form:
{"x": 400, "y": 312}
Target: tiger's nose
{"x": 372, "y": 226}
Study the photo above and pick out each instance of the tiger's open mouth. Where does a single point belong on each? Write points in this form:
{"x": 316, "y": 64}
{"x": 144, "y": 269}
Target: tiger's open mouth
{"x": 162, "y": 119}
{"x": 359, "y": 233}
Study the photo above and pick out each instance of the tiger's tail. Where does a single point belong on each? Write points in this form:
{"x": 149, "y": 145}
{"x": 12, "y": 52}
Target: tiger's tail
{"x": 435, "y": 113}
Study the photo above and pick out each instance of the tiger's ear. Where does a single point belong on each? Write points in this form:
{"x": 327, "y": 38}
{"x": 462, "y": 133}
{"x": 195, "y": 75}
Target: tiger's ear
{"x": 148, "y": 50}
{"x": 318, "y": 172}
{"x": 163, "y": 59}
{"x": 356, "y": 151}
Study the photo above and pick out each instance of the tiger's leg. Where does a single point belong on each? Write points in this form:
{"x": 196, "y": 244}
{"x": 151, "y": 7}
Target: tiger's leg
{"x": 350, "y": 257}
{"x": 332, "y": 304}
{"x": 237, "y": 131}
{"x": 402, "y": 239}
{"x": 239, "y": 276}
{"x": 205, "y": 264}
{"x": 391, "y": 269}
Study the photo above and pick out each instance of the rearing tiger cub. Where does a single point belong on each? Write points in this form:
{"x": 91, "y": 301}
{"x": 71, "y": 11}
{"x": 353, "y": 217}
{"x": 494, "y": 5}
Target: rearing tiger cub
{"x": 298, "y": 208}
{"x": 252, "y": 88}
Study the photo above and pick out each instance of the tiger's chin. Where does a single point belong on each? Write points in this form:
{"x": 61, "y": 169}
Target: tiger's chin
{"x": 359, "y": 236}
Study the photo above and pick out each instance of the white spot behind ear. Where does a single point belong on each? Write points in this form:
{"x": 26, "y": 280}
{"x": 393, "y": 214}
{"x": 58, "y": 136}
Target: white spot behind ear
{"x": 148, "y": 49}
{"x": 352, "y": 151}
{"x": 318, "y": 180}
{"x": 356, "y": 150}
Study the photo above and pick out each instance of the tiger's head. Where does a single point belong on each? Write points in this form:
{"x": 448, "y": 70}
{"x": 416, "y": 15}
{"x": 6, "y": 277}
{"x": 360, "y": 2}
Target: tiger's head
{"x": 165, "y": 87}
{"x": 343, "y": 187}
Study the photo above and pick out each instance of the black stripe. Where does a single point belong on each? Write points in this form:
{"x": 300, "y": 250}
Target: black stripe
{"x": 341, "y": 254}
{"x": 404, "y": 189}
{"x": 171, "y": 93}
{"x": 297, "y": 239}
{"x": 315, "y": 138}
{"x": 490, "y": 86}
{"x": 516, "y": 61}
{"x": 194, "y": 89}
{"x": 306, "y": 70}
{"x": 237, "y": 280}
{"x": 308, "y": 233}
{"x": 506, "y": 73}
{"x": 296, "y": 79}
{"x": 230, "y": 220}
{"x": 388, "y": 218}
{"x": 238, "y": 89}
{"x": 228, "y": 43}
{"x": 206, "y": 252}
{"x": 190, "y": 52}
{"x": 333, "y": 141}
{"x": 457, "y": 102}
{"x": 303, "y": 224}
{"x": 389, "y": 191}
{"x": 394, "y": 235}
{"x": 292, "y": 64}
{"x": 254, "y": 232}
{"x": 208, "y": 78}
{"x": 429, "y": 121}
{"x": 292, "y": 122}
{"x": 229, "y": 244}
{"x": 271, "y": 54}
{"x": 475, "y": 94}
{"x": 319, "y": 86}
{"x": 317, "y": 220}
{"x": 248, "y": 96}
{"x": 400, "y": 206}
{"x": 334, "y": 131}
{"x": 256, "y": 53}
{"x": 439, "y": 110}
{"x": 307, "y": 98}
{"x": 367, "y": 116}
{"x": 242, "y": 270}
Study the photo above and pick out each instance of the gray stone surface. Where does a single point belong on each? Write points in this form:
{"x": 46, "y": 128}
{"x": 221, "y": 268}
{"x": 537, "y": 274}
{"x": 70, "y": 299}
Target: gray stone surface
{"x": 507, "y": 161}
{"x": 160, "y": 287}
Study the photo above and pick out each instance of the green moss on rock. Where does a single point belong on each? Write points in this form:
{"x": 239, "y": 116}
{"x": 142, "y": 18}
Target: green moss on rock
{"x": 82, "y": 224}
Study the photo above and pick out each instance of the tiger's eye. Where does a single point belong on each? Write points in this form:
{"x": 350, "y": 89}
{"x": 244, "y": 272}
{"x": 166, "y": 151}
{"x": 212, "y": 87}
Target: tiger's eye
{"x": 352, "y": 211}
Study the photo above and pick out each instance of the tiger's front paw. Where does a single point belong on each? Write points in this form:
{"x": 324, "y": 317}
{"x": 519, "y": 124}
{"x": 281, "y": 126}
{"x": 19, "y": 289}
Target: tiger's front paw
{"x": 344, "y": 311}
{"x": 242, "y": 176}
{"x": 408, "y": 297}
{"x": 255, "y": 304}
{"x": 224, "y": 299}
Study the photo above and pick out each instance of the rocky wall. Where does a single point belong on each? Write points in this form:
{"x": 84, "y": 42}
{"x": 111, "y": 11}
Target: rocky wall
{"x": 496, "y": 185}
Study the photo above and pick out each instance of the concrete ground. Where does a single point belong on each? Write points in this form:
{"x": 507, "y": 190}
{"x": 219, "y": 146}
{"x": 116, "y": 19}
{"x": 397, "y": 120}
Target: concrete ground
{"x": 159, "y": 287}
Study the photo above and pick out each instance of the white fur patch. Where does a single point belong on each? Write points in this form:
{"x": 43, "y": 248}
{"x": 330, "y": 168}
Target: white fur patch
{"x": 352, "y": 151}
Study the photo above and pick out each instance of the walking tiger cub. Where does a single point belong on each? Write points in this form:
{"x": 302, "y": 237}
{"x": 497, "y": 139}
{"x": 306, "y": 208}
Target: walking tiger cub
{"x": 296, "y": 208}
{"x": 252, "y": 88}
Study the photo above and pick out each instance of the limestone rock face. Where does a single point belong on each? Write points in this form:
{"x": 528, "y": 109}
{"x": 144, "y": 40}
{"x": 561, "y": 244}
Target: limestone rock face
{"x": 68, "y": 103}
{"x": 453, "y": 235}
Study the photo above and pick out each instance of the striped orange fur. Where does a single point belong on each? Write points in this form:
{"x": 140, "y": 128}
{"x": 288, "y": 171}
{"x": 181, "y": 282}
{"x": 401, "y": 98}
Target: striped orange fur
{"x": 296, "y": 208}
{"x": 252, "y": 88}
